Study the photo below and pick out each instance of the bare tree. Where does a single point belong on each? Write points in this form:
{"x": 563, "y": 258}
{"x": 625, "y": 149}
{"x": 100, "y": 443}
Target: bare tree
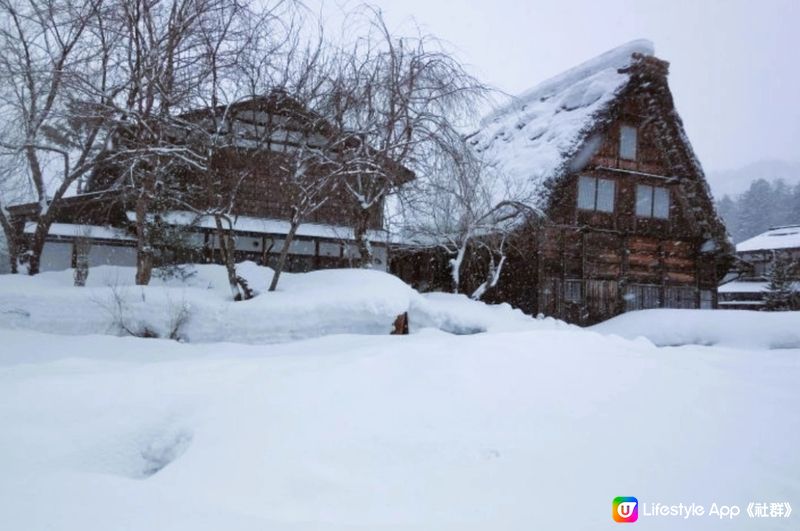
{"x": 309, "y": 182}
{"x": 163, "y": 65}
{"x": 249, "y": 61}
{"x": 464, "y": 207}
{"x": 288, "y": 134}
{"x": 193, "y": 65}
{"x": 13, "y": 190}
{"x": 55, "y": 57}
{"x": 225, "y": 37}
{"x": 400, "y": 101}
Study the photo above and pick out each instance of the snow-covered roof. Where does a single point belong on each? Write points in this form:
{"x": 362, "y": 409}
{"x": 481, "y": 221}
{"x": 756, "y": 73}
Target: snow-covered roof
{"x": 531, "y": 139}
{"x": 749, "y": 286}
{"x": 74, "y": 230}
{"x": 743, "y": 286}
{"x": 266, "y": 226}
{"x": 775, "y": 238}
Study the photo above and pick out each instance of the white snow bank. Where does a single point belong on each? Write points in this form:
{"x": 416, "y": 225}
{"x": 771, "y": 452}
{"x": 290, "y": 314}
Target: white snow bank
{"x": 199, "y": 309}
{"x": 734, "y": 328}
{"x": 431, "y": 432}
{"x": 458, "y": 314}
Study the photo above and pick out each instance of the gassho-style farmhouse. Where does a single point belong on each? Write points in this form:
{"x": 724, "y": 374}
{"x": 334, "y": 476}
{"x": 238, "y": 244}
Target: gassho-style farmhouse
{"x": 625, "y": 217}
{"x": 628, "y": 221}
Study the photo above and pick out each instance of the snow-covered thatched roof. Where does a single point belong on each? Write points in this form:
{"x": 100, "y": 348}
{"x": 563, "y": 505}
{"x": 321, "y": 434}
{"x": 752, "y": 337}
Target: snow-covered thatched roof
{"x": 787, "y": 237}
{"x": 533, "y": 138}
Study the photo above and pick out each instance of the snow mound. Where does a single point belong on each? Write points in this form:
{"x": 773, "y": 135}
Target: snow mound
{"x": 460, "y": 315}
{"x": 733, "y": 328}
{"x": 196, "y": 307}
{"x": 530, "y": 140}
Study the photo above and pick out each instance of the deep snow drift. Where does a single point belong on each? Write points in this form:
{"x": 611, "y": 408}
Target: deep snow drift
{"x": 731, "y": 328}
{"x": 306, "y": 305}
{"x": 530, "y": 425}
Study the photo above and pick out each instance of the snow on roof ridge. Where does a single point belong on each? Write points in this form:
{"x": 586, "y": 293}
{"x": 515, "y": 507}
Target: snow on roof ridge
{"x": 771, "y": 239}
{"x": 619, "y": 57}
{"x": 790, "y": 226}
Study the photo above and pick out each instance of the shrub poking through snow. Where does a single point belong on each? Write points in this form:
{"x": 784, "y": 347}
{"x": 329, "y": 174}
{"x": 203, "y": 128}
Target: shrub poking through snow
{"x": 127, "y": 321}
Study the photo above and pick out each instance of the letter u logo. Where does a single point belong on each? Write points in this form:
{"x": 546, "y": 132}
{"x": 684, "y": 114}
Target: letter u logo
{"x": 625, "y": 509}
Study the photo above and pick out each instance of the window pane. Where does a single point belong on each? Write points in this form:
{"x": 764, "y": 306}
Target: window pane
{"x": 586, "y": 189}
{"x": 573, "y": 291}
{"x": 605, "y": 195}
{"x": 661, "y": 203}
{"x": 644, "y": 200}
{"x": 627, "y": 142}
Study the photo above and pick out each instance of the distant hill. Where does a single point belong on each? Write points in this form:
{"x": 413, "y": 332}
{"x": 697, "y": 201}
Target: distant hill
{"x": 735, "y": 181}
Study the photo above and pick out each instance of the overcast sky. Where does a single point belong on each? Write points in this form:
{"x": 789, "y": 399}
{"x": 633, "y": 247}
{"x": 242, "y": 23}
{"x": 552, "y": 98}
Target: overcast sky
{"x": 734, "y": 64}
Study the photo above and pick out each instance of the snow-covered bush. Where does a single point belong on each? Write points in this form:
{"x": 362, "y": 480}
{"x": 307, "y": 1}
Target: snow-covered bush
{"x": 127, "y": 321}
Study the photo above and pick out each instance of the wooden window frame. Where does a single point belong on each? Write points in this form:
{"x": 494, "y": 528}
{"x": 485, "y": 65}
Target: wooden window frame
{"x": 596, "y": 194}
{"x": 652, "y": 214}
{"x": 635, "y": 130}
{"x": 573, "y": 291}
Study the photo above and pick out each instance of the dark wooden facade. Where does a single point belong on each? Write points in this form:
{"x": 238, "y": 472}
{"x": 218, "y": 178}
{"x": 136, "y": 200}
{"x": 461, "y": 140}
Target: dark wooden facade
{"x": 323, "y": 241}
{"x": 586, "y": 265}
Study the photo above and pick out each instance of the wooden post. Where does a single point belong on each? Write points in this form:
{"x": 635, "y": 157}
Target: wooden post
{"x": 400, "y": 325}
{"x": 662, "y": 275}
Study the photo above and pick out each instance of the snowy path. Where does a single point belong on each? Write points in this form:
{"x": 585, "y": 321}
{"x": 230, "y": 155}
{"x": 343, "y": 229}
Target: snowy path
{"x": 525, "y": 430}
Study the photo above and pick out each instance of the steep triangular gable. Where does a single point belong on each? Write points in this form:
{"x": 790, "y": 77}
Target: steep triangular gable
{"x": 531, "y": 140}
{"x": 555, "y": 128}
{"x": 649, "y": 84}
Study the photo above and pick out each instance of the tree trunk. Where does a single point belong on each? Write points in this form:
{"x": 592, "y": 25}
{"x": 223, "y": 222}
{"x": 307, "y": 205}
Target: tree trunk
{"x": 37, "y": 245}
{"x": 455, "y": 267}
{"x": 144, "y": 249}
{"x": 13, "y": 259}
{"x": 284, "y": 253}
{"x": 362, "y": 241}
{"x": 11, "y": 244}
{"x": 82, "y": 247}
{"x": 228, "y": 258}
{"x": 492, "y": 277}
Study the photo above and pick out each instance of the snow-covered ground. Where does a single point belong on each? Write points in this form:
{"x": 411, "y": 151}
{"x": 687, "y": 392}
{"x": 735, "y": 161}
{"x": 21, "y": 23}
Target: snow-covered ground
{"x": 532, "y": 424}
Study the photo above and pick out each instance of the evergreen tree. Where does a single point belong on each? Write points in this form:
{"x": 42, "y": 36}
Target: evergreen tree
{"x": 782, "y": 293}
{"x": 728, "y": 210}
{"x": 755, "y": 210}
{"x": 782, "y": 213}
{"x": 765, "y": 204}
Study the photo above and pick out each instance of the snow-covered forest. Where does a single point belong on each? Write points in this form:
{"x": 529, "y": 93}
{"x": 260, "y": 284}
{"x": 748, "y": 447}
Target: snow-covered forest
{"x": 763, "y": 205}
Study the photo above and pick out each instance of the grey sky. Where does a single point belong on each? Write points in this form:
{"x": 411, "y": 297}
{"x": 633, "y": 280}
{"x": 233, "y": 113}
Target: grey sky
{"x": 734, "y": 63}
